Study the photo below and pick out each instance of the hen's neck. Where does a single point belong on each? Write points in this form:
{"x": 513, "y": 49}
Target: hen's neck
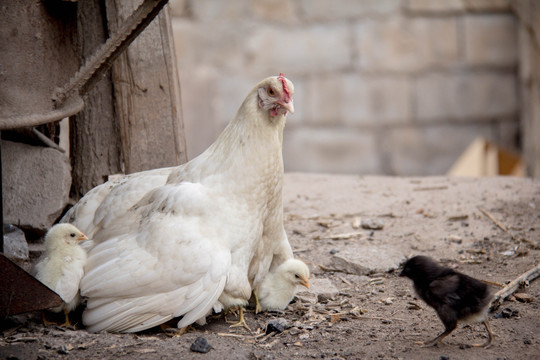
{"x": 248, "y": 150}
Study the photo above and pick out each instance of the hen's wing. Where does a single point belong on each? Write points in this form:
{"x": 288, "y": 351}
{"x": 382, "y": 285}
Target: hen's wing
{"x": 105, "y": 202}
{"x": 171, "y": 262}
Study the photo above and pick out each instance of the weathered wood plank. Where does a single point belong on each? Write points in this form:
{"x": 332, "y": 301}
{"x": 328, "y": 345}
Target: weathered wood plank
{"x": 147, "y": 93}
{"x": 95, "y": 149}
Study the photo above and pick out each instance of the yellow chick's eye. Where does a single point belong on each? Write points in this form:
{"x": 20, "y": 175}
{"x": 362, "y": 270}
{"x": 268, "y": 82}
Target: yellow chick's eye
{"x": 72, "y": 234}
{"x": 270, "y": 91}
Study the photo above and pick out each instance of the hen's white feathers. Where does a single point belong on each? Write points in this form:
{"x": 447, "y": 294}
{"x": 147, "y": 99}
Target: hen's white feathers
{"x": 181, "y": 241}
{"x": 61, "y": 266}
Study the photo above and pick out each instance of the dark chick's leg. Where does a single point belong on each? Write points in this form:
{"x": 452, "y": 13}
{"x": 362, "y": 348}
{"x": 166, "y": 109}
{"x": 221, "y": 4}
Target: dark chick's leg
{"x": 449, "y": 327}
{"x": 490, "y": 336}
{"x": 438, "y": 339}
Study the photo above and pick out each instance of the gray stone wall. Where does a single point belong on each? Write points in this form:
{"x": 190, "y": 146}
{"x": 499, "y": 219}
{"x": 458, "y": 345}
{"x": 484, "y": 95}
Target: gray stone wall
{"x": 397, "y": 87}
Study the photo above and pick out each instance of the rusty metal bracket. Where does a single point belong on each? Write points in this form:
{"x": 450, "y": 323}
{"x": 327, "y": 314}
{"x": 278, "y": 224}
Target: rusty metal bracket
{"x": 21, "y": 292}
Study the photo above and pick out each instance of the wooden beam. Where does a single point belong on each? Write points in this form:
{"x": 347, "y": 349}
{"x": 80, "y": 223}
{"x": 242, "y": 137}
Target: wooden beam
{"x": 147, "y": 93}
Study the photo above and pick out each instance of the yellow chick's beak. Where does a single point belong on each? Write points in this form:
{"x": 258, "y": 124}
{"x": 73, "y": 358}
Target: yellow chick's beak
{"x": 82, "y": 237}
{"x": 304, "y": 282}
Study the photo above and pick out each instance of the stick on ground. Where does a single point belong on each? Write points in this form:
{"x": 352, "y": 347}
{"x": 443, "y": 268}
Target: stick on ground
{"x": 515, "y": 284}
{"x": 490, "y": 217}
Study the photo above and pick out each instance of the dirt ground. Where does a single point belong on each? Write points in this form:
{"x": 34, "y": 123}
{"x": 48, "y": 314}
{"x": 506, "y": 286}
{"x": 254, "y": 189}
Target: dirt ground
{"x": 488, "y": 228}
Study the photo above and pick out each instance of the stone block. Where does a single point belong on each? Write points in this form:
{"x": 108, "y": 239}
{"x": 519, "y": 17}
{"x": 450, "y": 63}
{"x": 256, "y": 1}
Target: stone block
{"x": 429, "y": 150}
{"x": 218, "y": 45}
{"x": 366, "y": 259}
{"x": 353, "y": 99}
{"x": 347, "y": 9}
{"x": 488, "y": 5}
{"x": 220, "y": 11}
{"x": 281, "y": 11}
{"x": 313, "y": 48}
{"x": 407, "y": 44}
{"x": 441, "y": 97}
{"x": 330, "y": 150}
{"x": 15, "y": 245}
{"x": 323, "y": 288}
{"x": 434, "y": 6}
{"x": 36, "y": 184}
{"x": 491, "y": 40}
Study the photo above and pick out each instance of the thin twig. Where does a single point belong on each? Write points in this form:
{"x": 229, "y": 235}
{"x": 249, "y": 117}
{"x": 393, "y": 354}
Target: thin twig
{"x": 345, "y": 236}
{"x": 494, "y": 283}
{"x": 490, "y": 217}
{"x": 514, "y": 285}
{"x": 235, "y": 335}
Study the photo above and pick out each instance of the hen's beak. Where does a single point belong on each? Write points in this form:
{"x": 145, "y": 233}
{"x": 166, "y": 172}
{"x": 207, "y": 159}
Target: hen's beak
{"x": 82, "y": 237}
{"x": 304, "y": 282}
{"x": 287, "y": 105}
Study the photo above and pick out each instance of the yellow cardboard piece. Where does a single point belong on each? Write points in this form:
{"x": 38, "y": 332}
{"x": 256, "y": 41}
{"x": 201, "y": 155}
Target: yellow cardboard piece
{"x": 483, "y": 158}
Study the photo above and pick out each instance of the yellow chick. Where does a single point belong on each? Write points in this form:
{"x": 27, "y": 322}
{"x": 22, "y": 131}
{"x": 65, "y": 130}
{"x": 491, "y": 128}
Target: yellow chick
{"x": 61, "y": 267}
{"x": 279, "y": 287}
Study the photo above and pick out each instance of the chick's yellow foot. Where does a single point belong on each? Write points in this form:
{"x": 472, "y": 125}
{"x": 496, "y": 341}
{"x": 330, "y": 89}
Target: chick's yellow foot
{"x": 174, "y": 332}
{"x": 241, "y": 320}
{"x": 66, "y": 324}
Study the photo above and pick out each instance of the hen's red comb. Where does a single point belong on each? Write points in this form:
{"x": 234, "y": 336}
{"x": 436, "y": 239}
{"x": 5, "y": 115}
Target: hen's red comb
{"x": 281, "y": 78}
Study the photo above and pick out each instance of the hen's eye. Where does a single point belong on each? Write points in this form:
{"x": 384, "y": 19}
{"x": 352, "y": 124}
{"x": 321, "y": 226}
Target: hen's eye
{"x": 296, "y": 276}
{"x": 271, "y": 92}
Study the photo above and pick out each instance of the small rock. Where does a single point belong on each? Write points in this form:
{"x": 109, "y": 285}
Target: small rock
{"x": 274, "y": 326}
{"x": 444, "y": 357}
{"x": 507, "y": 313}
{"x": 334, "y": 251}
{"x": 323, "y": 288}
{"x": 307, "y": 297}
{"x": 372, "y": 224}
{"x": 526, "y": 298}
{"x": 200, "y": 345}
{"x": 15, "y": 245}
{"x": 356, "y": 223}
{"x": 65, "y": 349}
{"x": 388, "y": 301}
{"x": 455, "y": 239}
{"x": 527, "y": 341}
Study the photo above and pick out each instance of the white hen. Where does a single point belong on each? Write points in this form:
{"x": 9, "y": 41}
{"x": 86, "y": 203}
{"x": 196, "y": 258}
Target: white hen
{"x": 61, "y": 266}
{"x": 279, "y": 287}
{"x": 181, "y": 241}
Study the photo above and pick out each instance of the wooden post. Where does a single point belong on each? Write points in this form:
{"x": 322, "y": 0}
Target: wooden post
{"x": 147, "y": 93}
{"x": 95, "y": 146}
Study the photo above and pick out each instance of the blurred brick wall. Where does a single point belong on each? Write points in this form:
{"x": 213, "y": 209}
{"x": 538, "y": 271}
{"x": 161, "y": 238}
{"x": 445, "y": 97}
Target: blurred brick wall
{"x": 397, "y": 87}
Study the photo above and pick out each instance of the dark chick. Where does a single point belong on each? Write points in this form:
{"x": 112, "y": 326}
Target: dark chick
{"x": 454, "y": 296}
